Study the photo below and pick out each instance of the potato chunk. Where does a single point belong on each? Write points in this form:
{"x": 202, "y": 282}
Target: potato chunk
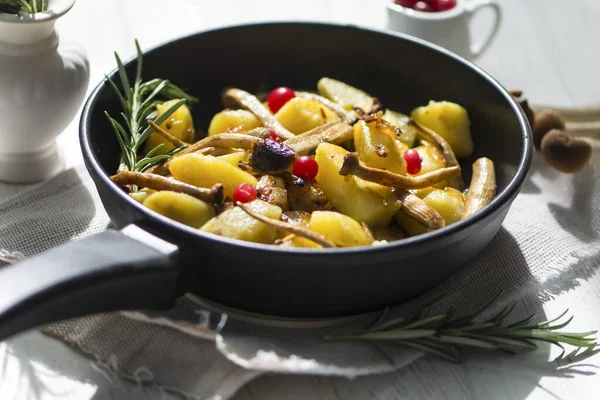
{"x": 339, "y": 228}
{"x": 345, "y": 95}
{"x": 409, "y": 132}
{"x": 235, "y": 157}
{"x": 450, "y": 121}
{"x": 228, "y": 119}
{"x": 205, "y": 171}
{"x": 180, "y": 207}
{"x": 235, "y": 223}
{"x": 361, "y": 200}
{"x": 179, "y": 124}
{"x": 300, "y": 115}
{"x": 378, "y": 149}
{"x": 449, "y": 202}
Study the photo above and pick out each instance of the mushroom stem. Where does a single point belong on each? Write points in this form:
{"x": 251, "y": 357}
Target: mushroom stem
{"x": 170, "y": 138}
{"x": 445, "y": 148}
{"x": 420, "y": 211}
{"x": 158, "y": 182}
{"x": 252, "y": 104}
{"x": 284, "y": 226}
{"x": 483, "y": 186}
{"x": 353, "y": 166}
{"x": 346, "y": 116}
{"x": 333, "y": 132}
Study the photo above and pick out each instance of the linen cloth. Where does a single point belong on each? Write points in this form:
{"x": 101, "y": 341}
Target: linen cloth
{"x": 552, "y": 229}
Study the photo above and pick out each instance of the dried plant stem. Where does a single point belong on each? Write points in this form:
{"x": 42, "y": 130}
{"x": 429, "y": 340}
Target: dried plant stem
{"x": 353, "y": 166}
{"x": 287, "y": 227}
{"x": 170, "y": 138}
{"x": 483, "y": 186}
{"x": 158, "y": 182}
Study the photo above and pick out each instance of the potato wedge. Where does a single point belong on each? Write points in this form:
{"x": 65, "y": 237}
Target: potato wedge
{"x": 180, "y": 207}
{"x": 449, "y": 202}
{"x": 339, "y": 228}
{"x": 237, "y": 224}
{"x": 179, "y": 124}
{"x": 235, "y": 157}
{"x": 361, "y": 200}
{"x": 300, "y": 115}
{"x": 409, "y": 133}
{"x": 205, "y": 171}
{"x": 345, "y": 95}
{"x": 228, "y": 119}
{"x": 449, "y": 120}
{"x": 378, "y": 149}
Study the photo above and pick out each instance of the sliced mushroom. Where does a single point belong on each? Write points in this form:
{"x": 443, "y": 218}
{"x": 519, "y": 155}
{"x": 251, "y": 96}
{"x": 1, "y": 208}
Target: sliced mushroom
{"x": 346, "y": 116}
{"x": 353, "y": 166}
{"x": 272, "y": 190}
{"x": 483, "y": 186}
{"x": 333, "y": 132}
{"x": 449, "y": 156}
{"x": 308, "y": 197}
{"x": 287, "y": 227}
{"x": 253, "y": 104}
{"x": 158, "y": 182}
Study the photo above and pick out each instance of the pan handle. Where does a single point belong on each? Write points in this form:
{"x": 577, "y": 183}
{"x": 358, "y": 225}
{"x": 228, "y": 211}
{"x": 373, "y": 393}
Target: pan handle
{"x": 114, "y": 270}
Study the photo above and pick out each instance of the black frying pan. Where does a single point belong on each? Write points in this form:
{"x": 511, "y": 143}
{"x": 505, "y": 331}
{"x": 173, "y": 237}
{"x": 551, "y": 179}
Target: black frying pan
{"x": 152, "y": 260}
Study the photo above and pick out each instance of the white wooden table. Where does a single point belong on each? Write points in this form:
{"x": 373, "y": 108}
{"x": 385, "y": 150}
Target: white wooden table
{"x": 550, "y": 48}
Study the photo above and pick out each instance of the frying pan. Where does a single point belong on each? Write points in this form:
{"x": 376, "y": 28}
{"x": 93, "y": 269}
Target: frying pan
{"x": 151, "y": 260}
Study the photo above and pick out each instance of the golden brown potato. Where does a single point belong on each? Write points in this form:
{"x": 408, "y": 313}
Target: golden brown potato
{"x": 345, "y": 95}
{"x": 449, "y": 202}
{"x": 229, "y": 119}
{"x": 300, "y": 115}
{"x": 450, "y": 121}
{"x": 361, "y": 200}
{"x": 205, "y": 171}
{"x": 409, "y": 132}
{"x": 180, "y": 207}
{"x": 237, "y": 224}
{"x": 179, "y": 124}
{"x": 339, "y": 229}
{"x": 378, "y": 149}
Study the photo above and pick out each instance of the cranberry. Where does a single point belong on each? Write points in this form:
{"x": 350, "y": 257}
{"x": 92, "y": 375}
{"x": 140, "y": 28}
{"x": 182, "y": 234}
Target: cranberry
{"x": 244, "y": 193}
{"x": 274, "y": 136}
{"x": 278, "y": 97}
{"x": 413, "y": 161}
{"x": 306, "y": 168}
{"x": 422, "y": 6}
{"x": 442, "y": 5}
{"x": 406, "y": 3}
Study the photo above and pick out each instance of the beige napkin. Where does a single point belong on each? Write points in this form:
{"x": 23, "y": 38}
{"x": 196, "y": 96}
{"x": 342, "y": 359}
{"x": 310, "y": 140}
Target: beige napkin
{"x": 552, "y": 229}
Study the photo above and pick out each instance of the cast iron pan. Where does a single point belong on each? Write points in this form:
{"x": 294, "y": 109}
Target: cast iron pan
{"x": 154, "y": 260}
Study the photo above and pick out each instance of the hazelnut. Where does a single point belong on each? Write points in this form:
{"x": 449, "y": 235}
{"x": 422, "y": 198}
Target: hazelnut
{"x": 564, "y": 153}
{"x": 543, "y": 122}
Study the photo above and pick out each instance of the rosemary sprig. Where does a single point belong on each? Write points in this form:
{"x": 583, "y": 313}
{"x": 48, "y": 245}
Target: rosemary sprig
{"x": 138, "y": 103}
{"x": 443, "y": 335}
{"x": 23, "y": 6}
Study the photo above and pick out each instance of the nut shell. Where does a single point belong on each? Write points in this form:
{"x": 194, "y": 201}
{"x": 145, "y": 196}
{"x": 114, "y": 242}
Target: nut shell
{"x": 545, "y": 121}
{"x": 565, "y": 153}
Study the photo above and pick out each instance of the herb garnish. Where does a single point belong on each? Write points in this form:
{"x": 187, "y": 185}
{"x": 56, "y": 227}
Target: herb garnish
{"x": 23, "y": 6}
{"x": 139, "y": 105}
{"x": 443, "y": 335}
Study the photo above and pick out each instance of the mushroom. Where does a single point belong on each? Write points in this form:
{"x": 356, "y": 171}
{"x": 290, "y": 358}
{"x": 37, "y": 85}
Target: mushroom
{"x": 253, "y": 104}
{"x": 483, "y": 186}
{"x": 269, "y": 156}
{"x": 158, "y": 182}
{"x": 566, "y": 154}
{"x": 420, "y": 211}
{"x": 333, "y": 132}
{"x": 353, "y": 166}
{"x": 449, "y": 156}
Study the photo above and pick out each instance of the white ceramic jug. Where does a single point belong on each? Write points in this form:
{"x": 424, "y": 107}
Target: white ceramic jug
{"x": 42, "y": 85}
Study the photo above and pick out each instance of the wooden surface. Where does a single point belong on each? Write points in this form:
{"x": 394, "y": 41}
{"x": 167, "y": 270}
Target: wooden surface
{"x": 547, "y": 47}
